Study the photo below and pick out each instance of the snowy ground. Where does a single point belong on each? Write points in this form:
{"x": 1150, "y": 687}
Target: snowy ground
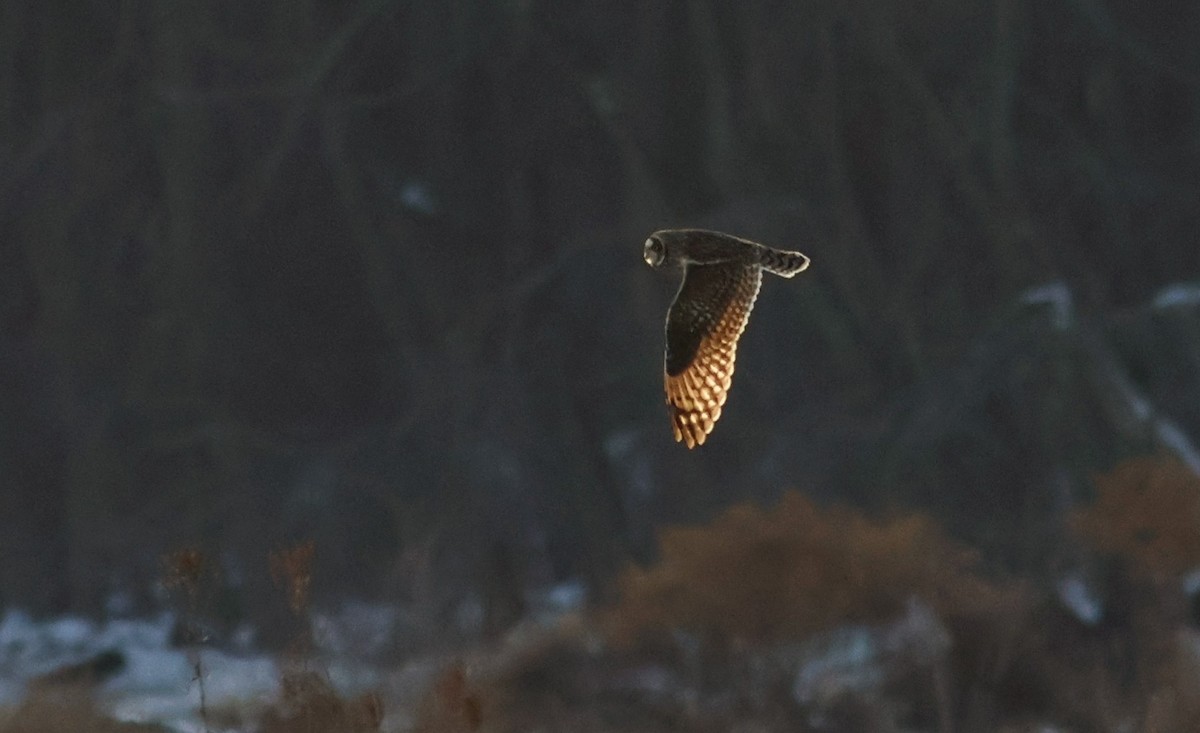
{"x": 158, "y": 682}
{"x": 869, "y": 667}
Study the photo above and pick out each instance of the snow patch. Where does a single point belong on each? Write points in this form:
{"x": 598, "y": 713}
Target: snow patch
{"x": 1178, "y": 295}
{"x": 356, "y": 628}
{"x": 1077, "y": 596}
{"x": 550, "y": 604}
{"x": 1057, "y": 296}
{"x": 417, "y": 197}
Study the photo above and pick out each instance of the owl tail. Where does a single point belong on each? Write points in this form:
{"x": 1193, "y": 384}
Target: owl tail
{"x": 785, "y": 264}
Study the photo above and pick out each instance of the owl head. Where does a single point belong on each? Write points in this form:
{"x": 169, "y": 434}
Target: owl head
{"x": 655, "y": 252}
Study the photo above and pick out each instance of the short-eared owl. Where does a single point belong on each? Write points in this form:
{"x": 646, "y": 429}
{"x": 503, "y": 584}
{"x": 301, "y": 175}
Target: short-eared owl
{"x": 721, "y": 277}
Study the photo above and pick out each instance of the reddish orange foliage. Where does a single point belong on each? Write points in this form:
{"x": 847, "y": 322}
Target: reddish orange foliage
{"x": 795, "y": 569}
{"x": 1148, "y": 511}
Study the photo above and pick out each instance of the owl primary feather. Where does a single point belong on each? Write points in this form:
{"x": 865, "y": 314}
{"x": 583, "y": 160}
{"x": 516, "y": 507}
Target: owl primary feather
{"x": 721, "y": 277}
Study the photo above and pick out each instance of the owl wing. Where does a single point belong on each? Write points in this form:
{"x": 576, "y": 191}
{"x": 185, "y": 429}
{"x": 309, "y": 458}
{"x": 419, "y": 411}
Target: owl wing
{"x": 703, "y": 327}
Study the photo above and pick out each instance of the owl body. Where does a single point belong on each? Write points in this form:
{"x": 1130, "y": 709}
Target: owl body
{"x": 703, "y": 247}
{"x": 721, "y": 279}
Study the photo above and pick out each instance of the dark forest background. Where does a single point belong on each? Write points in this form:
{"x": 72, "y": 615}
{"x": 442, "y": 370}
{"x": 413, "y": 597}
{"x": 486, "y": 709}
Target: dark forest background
{"x": 369, "y": 274}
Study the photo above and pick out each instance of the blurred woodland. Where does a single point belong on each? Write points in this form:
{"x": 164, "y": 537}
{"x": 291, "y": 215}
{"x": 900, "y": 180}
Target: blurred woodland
{"x": 368, "y": 274}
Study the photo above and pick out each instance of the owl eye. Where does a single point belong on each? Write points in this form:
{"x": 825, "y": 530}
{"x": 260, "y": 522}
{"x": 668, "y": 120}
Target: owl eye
{"x": 654, "y": 252}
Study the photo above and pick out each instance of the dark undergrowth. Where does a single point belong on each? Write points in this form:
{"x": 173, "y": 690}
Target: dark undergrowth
{"x": 794, "y": 617}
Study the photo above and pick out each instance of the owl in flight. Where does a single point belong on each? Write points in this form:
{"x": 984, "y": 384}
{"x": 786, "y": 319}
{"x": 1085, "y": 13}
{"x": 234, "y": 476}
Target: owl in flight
{"x": 721, "y": 277}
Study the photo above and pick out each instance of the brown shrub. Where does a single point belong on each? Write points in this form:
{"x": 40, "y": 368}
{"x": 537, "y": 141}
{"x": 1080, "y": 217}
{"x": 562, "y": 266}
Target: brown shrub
{"x": 310, "y": 705}
{"x": 1147, "y": 511}
{"x": 65, "y": 710}
{"x": 454, "y": 705}
{"x": 793, "y": 570}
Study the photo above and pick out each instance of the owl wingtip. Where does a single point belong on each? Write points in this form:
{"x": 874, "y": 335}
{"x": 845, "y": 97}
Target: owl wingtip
{"x": 687, "y": 436}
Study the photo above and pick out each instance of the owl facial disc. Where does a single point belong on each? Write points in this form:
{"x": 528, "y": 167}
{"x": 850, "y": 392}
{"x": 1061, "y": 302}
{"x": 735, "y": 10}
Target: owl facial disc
{"x": 655, "y": 252}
